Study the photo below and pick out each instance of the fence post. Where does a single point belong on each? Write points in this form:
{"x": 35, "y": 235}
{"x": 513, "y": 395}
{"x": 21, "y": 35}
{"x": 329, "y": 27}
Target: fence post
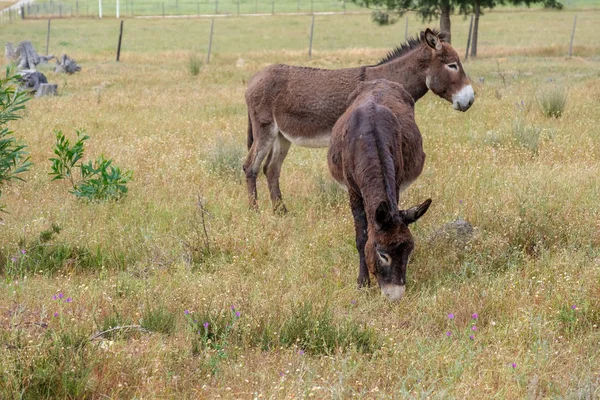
{"x": 48, "y": 37}
{"x": 100, "y": 8}
{"x": 312, "y": 30}
{"x": 216, "y": 6}
{"x": 311, "y": 6}
{"x": 273, "y": 7}
{"x": 120, "y": 38}
{"x": 238, "y": 7}
{"x": 406, "y": 30}
{"x": 118, "y": 11}
{"x": 344, "y": 5}
{"x": 572, "y": 37}
{"x": 212, "y": 27}
{"x": 469, "y": 38}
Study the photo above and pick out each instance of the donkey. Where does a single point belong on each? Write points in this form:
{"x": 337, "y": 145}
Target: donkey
{"x": 300, "y": 105}
{"x": 376, "y": 151}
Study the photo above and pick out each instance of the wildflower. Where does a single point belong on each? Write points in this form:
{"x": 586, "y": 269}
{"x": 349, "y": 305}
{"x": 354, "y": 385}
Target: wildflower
{"x": 14, "y": 259}
{"x": 514, "y": 365}
{"x": 69, "y": 300}
{"x": 23, "y": 251}
{"x": 301, "y": 352}
{"x": 237, "y": 314}
{"x": 54, "y": 297}
{"x": 573, "y": 307}
{"x": 473, "y": 328}
{"x": 472, "y": 337}
{"x": 186, "y": 312}
{"x": 353, "y": 302}
{"x": 56, "y": 313}
{"x": 206, "y": 325}
{"x": 60, "y": 295}
{"x": 474, "y": 316}
{"x": 232, "y": 307}
{"x": 460, "y": 201}
{"x": 448, "y": 333}
{"x": 451, "y": 316}
{"x": 281, "y": 374}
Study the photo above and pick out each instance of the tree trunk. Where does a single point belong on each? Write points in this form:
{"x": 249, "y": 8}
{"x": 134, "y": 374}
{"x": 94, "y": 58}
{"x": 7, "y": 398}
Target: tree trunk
{"x": 445, "y": 19}
{"x": 477, "y": 9}
{"x": 47, "y": 89}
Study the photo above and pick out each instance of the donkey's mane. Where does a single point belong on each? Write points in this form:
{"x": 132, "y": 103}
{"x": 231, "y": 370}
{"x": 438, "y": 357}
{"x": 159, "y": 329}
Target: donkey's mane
{"x": 411, "y": 44}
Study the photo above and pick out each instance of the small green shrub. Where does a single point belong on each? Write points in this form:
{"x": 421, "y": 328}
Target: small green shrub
{"x": 526, "y": 135}
{"x": 552, "y": 100}
{"x": 226, "y": 158}
{"x": 194, "y": 64}
{"x": 13, "y": 157}
{"x": 98, "y": 181}
{"x": 158, "y": 319}
{"x": 382, "y": 18}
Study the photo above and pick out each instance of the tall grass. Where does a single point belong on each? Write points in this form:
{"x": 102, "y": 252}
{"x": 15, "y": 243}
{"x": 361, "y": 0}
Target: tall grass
{"x": 552, "y": 100}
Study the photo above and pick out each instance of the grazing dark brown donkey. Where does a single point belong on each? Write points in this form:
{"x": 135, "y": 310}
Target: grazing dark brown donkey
{"x": 300, "y": 105}
{"x": 376, "y": 151}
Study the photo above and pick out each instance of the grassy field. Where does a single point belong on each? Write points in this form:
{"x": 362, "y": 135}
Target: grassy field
{"x": 528, "y": 183}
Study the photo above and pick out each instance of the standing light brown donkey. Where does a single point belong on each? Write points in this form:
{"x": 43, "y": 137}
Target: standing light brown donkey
{"x": 376, "y": 151}
{"x": 300, "y": 105}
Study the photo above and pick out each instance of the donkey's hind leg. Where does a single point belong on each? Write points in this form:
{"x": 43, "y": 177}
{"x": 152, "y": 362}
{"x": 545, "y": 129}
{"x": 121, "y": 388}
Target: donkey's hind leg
{"x": 273, "y": 169}
{"x": 264, "y": 137}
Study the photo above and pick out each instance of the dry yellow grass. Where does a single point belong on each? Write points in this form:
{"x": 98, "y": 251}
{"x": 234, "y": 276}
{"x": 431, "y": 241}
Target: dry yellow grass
{"x": 535, "y": 254}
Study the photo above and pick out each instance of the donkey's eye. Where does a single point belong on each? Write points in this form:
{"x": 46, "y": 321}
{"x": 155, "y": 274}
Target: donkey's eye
{"x": 453, "y": 66}
{"x": 385, "y": 258}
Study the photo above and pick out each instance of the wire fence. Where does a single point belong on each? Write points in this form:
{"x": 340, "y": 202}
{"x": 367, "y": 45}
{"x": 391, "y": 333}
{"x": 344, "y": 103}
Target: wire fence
{"x": 27, "y": 9}
{"x": 160, "y": 8}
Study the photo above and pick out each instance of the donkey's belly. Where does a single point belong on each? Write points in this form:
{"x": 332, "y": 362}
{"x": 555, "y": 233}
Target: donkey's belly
{"x": 314, "y": 141}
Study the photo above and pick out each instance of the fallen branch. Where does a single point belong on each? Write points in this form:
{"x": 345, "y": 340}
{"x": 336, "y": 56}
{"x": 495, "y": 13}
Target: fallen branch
{"x": 138, "y": 328}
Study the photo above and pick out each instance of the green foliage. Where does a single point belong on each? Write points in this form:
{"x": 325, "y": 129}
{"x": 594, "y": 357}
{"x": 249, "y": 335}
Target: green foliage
{"x": 552, "y": 101}
{"x": 98, "y": 181}
{"x": 158, "y": 319}
{"x": 382, "y": 18}
{"x": 194, "y": 64}
{"x": 526, "y": 135}
{"x": 13, "y": 157}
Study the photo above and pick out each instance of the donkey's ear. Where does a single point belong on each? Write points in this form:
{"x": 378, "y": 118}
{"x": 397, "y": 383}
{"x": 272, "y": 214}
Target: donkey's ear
{"x": 414, "y": 213}
{"x": 432, "y": 40}
{"x": 383, "y": 216}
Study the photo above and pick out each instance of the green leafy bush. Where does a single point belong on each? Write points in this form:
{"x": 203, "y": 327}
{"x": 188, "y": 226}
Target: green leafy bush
{"x": 13, "y": 157}
{"x": 99, "y": 180}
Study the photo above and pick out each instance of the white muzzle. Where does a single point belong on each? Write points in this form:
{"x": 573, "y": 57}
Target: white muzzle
{"x": 393, "y": 292}
{"x": 463, "y": 99}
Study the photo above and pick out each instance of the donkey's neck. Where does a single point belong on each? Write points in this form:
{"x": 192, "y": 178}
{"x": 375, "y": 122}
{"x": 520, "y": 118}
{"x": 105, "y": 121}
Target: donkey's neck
{"x": 407, "y": 70}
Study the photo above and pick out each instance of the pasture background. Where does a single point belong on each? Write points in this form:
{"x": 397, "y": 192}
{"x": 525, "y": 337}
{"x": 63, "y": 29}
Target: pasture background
{"x": 535, "y": 254}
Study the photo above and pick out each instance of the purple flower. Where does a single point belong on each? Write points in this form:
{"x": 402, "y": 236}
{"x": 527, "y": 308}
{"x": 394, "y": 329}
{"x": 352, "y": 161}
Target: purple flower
{"x": 54, "y": 297}
{"x": 14, "y": 259}
{"x": 460, "y": 201}
{"x": 451, "y": 316}
{"x": 237, "y": 314}
{"x": 301, "y": 352}
{"x": 56, "y": 313}
{"x": 448, "y": 333}
{"x": 472, "y": 337}
{"x": 514, "y": 365}
{"x": 69, "y": 300}
{"x": 232, "y": 308}
{"x": 23, "y": 251}
{"x": 573, "y": 307}
{"x": 353, "y": 302}
{"x": 60, "y": 295}
{"x": 186, "y": 312}
{"x": 281, "y": 374}
{"x": 474, "y": 316}
{"x": 473, "y": 328}
{"x": 206, "y": 325}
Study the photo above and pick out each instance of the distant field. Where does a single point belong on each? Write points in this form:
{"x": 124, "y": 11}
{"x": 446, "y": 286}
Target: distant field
{"x": 529, "y": 280}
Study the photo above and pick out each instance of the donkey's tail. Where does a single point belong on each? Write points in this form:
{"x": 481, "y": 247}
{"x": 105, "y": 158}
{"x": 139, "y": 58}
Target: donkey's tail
{"x": 250, "y": 136}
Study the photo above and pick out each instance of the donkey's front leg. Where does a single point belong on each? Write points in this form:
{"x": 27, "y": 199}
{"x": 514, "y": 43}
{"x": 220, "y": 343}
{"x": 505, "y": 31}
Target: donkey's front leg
{"x": 360, "y": 225}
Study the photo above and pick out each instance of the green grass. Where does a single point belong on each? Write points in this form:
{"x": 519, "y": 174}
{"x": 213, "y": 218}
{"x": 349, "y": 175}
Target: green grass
{"x": 292, "y": 278}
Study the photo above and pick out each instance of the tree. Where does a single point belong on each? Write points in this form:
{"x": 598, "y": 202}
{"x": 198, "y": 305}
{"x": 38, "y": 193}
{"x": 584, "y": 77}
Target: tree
{"x": 476, "y": 8}
{"x": 428, "y": 10}
{"x": 13, "y": 160}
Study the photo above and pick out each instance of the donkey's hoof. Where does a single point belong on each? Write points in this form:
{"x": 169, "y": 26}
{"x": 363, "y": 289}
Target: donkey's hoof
{"x": 363, "y": 282}
{"x": 280, "y": 209}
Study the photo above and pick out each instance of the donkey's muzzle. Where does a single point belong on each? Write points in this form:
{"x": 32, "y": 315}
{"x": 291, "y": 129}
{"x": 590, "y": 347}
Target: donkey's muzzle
{"x": 464, "y": 98}
{"x": 393, "y": 292}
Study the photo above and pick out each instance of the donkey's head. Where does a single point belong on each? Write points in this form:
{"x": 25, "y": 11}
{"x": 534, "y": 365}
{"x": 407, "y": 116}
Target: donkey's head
{"x": 445, "y": 75}
{"x": 389, "y": 247}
